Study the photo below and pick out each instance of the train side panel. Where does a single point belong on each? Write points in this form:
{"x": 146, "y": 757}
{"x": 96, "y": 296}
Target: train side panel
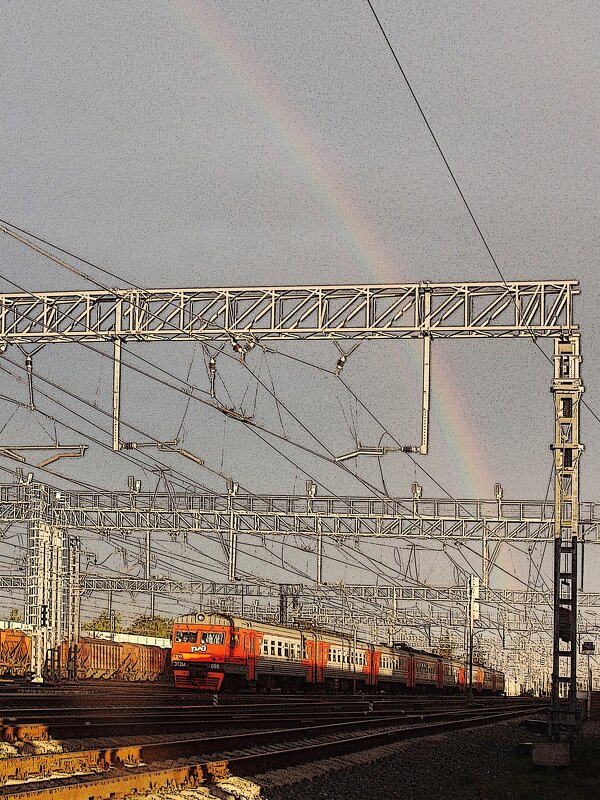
{"x": 226, "y": 652}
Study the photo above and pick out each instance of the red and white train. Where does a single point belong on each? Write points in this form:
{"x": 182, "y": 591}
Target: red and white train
{"x": 212, "y": 652}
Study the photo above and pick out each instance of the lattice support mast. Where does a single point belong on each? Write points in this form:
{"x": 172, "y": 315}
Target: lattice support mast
{"x": 567, "y": 389}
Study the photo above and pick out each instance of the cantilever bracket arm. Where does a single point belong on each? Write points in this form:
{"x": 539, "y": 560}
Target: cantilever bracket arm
{"x": 78, "y": 454}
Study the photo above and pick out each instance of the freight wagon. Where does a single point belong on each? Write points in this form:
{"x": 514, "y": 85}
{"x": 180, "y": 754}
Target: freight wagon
{"x": 89, "y": 659}
{"x": 101, "y": 659}
{"x": 216, "y": 651}
{"x": 15, "y": 653}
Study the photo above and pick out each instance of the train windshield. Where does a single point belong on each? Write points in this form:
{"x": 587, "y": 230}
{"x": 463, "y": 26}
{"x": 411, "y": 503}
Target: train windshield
{"x": 213, "y": 638}
{"x": 186, "y": 637}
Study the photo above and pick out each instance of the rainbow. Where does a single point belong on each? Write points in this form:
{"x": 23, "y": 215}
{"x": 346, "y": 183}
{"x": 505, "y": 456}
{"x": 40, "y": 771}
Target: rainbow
{"x": 293, "y": 133}
{"x": 336, "y": 201}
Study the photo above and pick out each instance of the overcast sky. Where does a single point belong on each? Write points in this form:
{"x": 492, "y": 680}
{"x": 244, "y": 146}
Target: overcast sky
{"x": 275, "y": 143}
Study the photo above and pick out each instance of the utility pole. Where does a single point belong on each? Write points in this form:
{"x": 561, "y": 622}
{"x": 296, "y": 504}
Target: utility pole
{"x": 567, "y": 389}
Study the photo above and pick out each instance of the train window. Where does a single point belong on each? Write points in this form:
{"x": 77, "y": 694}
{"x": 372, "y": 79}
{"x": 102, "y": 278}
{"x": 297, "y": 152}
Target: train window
{"x": 286, "y": 650}
{"x": 186, "y": 637}
{"x": 272, "y": 647}
{"x": 213, "y": 638}
{"x": 304, "y": 652}
{"x": 278, "y": 647}
{"x": 265, "y": 648}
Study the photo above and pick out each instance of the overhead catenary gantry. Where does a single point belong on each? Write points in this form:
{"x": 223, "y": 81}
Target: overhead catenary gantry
{"x": 247, "y": 316}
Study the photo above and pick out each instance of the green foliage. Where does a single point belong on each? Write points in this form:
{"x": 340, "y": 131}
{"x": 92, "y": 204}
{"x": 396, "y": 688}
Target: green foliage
{"x": 15, "y": 615}
{"x": 103, "y": 622}
{"x": 152, "y": 626}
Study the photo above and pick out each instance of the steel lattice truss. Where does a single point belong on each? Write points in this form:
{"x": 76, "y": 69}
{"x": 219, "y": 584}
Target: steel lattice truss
{"x": 273, "y": 515}
{"x": 456, "y": 595}
{"x": 527, "y": 308}
{"x": 174, "y": 513}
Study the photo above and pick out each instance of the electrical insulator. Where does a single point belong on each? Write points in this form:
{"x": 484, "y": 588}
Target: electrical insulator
{"x": 340, "y": 364}
{"x": 212, "y": 366}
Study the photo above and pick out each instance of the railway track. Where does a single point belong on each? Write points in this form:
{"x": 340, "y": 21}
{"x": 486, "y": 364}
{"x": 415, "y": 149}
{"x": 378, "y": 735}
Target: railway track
{"x": 188, "y": 762}
{"x": 101, "y": 721}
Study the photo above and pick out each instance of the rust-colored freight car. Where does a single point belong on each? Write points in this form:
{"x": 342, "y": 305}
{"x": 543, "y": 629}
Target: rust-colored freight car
{"x": 103, "y": 659}
{"x": 143, "y": 662}
{"x": 15, "y": 653}
{"x": 90, "y": 659}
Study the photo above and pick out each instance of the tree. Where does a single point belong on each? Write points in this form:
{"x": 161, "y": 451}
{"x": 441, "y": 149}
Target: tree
{"x": 15, "y": 615}
{"x": 145, "y": 625}
{"x": 104, "y": 622}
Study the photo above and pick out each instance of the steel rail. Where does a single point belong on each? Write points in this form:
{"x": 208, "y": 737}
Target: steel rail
{"x": 61, "y": 724}
{"x": 245, "y": 764}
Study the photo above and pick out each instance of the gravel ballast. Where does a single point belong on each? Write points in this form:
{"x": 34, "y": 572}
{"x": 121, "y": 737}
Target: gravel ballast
{"x": 477, "y": 764}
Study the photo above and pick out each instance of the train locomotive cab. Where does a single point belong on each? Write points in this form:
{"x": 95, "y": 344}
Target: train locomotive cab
{"x": 199, "y": 651}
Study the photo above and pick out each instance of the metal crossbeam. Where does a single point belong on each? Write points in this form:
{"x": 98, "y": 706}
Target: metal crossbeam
{"x": 456, "y": 595}
{"x": 375, "y": 311}
{"x": 273, "y": 515}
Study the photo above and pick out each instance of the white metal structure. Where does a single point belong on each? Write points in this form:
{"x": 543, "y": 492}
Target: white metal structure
{"x": 244, "y": 316}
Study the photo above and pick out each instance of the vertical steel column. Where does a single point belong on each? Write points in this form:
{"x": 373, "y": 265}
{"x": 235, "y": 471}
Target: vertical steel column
{"x": 423, "y": 449}
{"x": 73, "y": 590}
{"x": 485, "y": 557}
{"x": 567, "y": 389}
{"x": 44, "y": 602}
{"x": 232, "y": 489}
{"x": 319, "y": 551}
{"x": 116, "y": 392}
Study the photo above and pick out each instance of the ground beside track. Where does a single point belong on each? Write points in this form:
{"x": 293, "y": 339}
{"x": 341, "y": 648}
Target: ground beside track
{"x": 478, "y": 764}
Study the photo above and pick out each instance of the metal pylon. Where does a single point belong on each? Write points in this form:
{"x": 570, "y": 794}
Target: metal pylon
{"x": 567, "y": 389}
{"x": 44, "y": 581}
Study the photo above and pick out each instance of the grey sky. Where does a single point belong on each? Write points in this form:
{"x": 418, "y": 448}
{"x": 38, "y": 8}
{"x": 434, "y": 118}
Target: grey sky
{"x": 240, "y": 143}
